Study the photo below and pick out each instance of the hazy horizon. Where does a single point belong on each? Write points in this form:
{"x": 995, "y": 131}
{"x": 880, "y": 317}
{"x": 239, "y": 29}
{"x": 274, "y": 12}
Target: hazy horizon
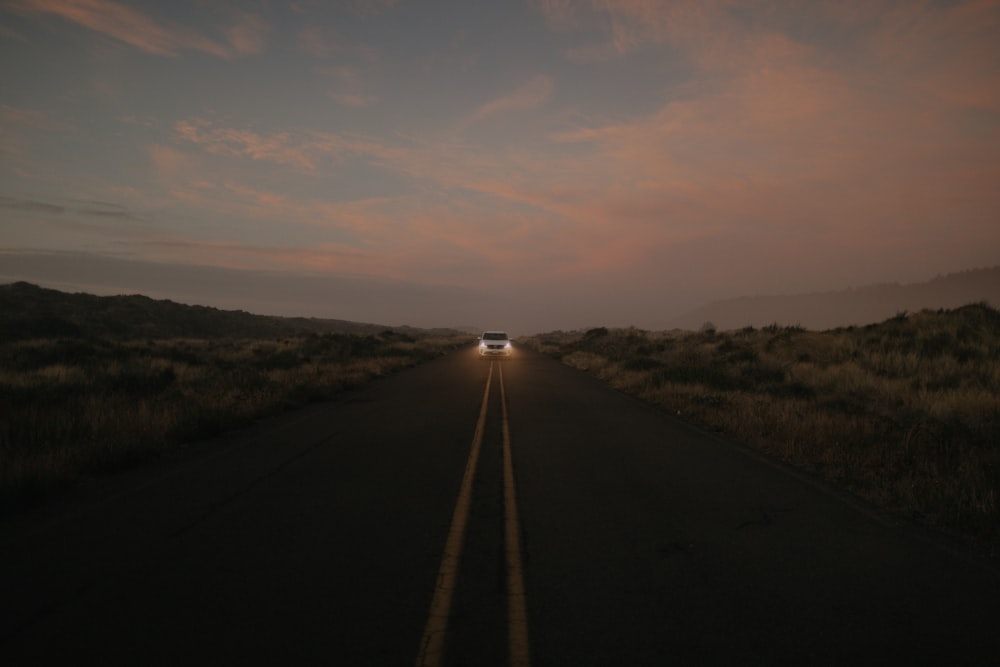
{"x": 541, "y": 165}
{"x": 400, "y": 304}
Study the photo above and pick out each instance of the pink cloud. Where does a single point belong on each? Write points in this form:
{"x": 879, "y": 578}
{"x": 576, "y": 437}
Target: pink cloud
{"x": 559, "y": 14}
{"x": 352, "y": 99}
{"x": 20, "y": 129}
{"x": 279, "y": 147}
{"x": 248, "y": 35}
{"x": 950, "y": 54}
{"x": 236, "y": 255}
{"x": 402, "y": 237}
{"x": 349, "y": 88}
{"x": 531, "y": 94}
{"x": 629, "y": 25}
{"x": 801, "y": 150}
{"x": 138, "y": 30}
{"x": 785, "y": 109}
{"x": 169, "y": 164}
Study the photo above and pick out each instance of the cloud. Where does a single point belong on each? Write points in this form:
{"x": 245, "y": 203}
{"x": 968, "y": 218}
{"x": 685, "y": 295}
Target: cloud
{"x": 32, "y": 119}
{"x": 352, "y": 99}
{"x": 781, "y": 147}
{"x": 86, "y": 208}
{"x": 948, "y": 54}
{"x": 248, "y": 35}
{"x": 132, "y": 27}
{"x": 279, "y": 147}
{"x": 422, "y": 237}
{"x": 318, "y": 42}
{"x": 30, "y": 205}
{"x": 350, "y": 87}
{"x": 529, "y": 95}
{"x": 361, "y": 7}
{"x": 309, "y": 150}
{"x": 627, "y": 25}
{"x": 169, "y": 164}
{"x": 559, "y": 14}
{"x": 106, "y": 210}
{"x": 324, "y": 43}
{"x": 20, "y": 127}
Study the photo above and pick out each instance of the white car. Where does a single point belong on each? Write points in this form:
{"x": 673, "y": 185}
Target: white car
{"x": 494, "y": 344}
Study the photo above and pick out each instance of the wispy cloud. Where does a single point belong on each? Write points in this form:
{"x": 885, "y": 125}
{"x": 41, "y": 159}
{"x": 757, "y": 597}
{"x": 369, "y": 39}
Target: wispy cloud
{"x": 20, "y": 128}
{"x": 623, "y": 25}
{"x": 248, "y": 34}
{"x": 423, "y": 159}
{"x": 318, "y": 42}
{"x": 11, "y": 116}
{"x": 87, "y": 208}
{"x": 349, "y": 86}
{"x": 280, "y": 147}
{"x": 30, "y": 205}
{"x": 130, "y": 26}
{"x": 107, "y": 210}
{"x": 529, "y": 95}
{"x": 361, "y": 7}
{"x": 324, "y": 43}
{"x": 352, "y": 99}
{"x": 560, "y": 14}
{"x": 780, "y": 136}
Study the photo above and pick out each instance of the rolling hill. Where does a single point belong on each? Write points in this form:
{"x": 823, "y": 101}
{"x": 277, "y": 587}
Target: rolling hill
{"x": 859, "y": 306}
{"x": 28, "y": 311}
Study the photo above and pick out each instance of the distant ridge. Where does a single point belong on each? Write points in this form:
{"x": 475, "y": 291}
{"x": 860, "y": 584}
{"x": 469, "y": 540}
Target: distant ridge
{"x": 28, "y": 311}
{"x": 858, "y": 306}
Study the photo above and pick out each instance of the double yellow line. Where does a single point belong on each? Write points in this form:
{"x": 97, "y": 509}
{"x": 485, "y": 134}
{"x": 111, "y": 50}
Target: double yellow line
{"x": 431, "y": 651}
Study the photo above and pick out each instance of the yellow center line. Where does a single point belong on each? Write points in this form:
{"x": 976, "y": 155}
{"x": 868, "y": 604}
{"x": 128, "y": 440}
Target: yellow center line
{"x": 432, "y": 643}
{"x": 517, "y": 614}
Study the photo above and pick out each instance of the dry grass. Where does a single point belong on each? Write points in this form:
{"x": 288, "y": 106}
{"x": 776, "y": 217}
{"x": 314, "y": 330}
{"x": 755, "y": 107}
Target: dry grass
{"x": 905, "y": 413}
{"x": 78, "y": 407}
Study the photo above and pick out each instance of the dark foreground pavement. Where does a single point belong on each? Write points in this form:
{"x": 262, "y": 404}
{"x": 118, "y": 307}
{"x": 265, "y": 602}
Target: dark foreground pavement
{"x": 317, "y": 537}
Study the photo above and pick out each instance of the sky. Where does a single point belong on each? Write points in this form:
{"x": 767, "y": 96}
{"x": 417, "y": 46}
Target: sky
{"x": 529, "y": 165}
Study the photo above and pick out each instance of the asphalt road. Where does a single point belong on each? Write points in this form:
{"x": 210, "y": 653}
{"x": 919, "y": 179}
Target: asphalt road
{"x": 384, "y": 528}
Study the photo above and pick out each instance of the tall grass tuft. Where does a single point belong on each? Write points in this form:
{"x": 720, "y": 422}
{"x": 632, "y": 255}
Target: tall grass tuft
{"x": 905, "y": 413}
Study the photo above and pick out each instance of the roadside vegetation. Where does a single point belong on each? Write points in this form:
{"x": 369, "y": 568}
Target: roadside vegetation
{"x": 76, "y": 404}
{"x": 905, "y": 414}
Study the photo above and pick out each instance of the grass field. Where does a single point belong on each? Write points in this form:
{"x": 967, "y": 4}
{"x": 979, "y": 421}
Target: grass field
{"x": 905, "y": 413}
{"x": 82, "y": 406}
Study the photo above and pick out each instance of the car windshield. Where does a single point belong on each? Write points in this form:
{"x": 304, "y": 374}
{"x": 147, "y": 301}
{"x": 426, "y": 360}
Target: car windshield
{"x": 494, "y": 335}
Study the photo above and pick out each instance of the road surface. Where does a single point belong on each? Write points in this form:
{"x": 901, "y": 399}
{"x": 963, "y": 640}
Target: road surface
{"x": 471, "y": 512}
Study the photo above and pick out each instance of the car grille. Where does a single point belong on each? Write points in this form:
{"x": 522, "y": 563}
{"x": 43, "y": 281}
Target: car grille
{"x": 495, "y": 347}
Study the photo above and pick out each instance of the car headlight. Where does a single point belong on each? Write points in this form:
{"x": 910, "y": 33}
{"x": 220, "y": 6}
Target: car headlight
{"x": 507, "y": 344}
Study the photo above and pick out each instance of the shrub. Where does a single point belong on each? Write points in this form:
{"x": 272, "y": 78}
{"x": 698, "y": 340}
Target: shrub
{"x": 80, "y": 407}
{"x": 905, "y": 413}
